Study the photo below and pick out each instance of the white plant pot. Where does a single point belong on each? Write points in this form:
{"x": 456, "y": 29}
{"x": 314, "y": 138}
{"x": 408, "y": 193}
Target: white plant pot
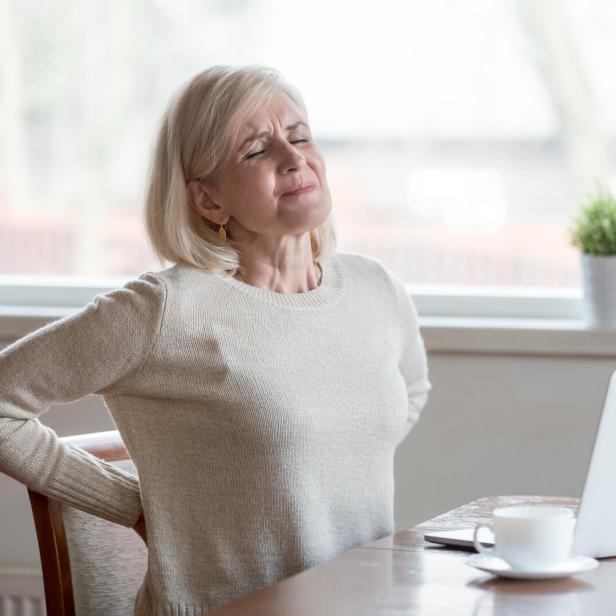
{"x": 599, "y": 285}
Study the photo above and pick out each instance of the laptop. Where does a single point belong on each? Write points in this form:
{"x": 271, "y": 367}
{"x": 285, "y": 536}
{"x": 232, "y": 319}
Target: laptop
{"x": 595, "y": 530}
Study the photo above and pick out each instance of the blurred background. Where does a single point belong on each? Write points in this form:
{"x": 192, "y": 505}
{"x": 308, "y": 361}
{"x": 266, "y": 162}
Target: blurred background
{"x": 459, "y": 136}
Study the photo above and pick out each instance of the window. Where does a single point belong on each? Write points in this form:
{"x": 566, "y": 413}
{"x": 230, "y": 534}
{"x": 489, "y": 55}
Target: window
{"x": 459, "y": 136}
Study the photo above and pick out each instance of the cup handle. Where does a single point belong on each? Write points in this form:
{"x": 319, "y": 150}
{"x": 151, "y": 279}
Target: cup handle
{"x": 479, "y": 546}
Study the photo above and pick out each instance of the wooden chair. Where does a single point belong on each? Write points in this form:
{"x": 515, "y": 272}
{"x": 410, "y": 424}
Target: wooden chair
{"x": 90, "y": 566}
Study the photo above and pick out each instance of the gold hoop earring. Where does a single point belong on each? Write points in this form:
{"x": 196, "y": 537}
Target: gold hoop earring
{"x": 222, "y": 234}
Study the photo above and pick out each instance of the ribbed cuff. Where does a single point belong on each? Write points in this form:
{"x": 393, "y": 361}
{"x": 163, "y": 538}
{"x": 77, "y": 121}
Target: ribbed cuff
{"x": 97, "y": 487}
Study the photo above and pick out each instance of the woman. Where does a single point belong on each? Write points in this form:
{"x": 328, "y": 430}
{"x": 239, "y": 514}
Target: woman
{"x": 261, "y": 384}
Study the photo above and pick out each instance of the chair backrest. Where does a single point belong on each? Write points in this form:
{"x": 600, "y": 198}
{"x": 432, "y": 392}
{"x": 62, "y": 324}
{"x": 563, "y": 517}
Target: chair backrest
{"x": 91, "y": 567}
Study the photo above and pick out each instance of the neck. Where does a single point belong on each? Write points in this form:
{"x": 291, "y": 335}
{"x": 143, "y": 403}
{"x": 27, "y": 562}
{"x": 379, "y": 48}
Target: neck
{"x": 281, "y": 279}
{"x": 283, "y": 264}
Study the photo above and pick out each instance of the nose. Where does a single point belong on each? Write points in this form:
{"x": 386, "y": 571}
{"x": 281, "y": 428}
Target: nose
{"x": 291, "y": 158}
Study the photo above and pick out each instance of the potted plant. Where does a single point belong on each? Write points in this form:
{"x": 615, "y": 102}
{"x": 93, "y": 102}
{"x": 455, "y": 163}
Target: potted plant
{"x": 594, "y": 232}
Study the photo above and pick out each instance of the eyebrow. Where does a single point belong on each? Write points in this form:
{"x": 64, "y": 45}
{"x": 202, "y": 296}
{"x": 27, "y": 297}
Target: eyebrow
{"x": 265, "y": 133}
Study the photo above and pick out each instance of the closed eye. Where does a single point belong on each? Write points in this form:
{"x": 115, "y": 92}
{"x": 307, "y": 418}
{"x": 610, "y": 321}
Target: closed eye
{"x": 262, "y": 151}
{"x": 255, "y": 154}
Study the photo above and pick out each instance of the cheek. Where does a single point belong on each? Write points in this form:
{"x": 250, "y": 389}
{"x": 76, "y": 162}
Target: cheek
{"x": 252, "y": 185}
{"x": 320, "y": 169}
{"x": 318, "y": 162}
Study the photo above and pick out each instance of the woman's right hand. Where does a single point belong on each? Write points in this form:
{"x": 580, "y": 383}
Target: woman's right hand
{"x": 139, "y": 528}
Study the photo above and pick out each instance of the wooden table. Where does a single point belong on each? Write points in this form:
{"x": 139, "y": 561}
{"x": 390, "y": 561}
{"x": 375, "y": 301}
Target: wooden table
{"x": 403, "y": 575}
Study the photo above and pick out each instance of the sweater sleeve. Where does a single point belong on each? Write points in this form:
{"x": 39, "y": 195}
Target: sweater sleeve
{"x": 80, "y": 354}
{"x": 413, "y": 361}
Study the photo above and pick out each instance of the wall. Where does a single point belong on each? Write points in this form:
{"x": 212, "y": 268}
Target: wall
{"x": 500, "y": 425}
{"x": 495, "y": 424}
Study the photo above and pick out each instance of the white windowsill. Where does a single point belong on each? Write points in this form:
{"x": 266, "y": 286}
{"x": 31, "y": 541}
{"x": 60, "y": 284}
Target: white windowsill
{"x": 509, "y": 336}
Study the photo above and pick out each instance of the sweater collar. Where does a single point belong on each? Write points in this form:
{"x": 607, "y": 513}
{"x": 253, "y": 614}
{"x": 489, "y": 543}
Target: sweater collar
{"x": 329, "y": 292}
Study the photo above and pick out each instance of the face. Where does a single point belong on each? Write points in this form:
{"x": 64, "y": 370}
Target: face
{"x": 273, "y": 154}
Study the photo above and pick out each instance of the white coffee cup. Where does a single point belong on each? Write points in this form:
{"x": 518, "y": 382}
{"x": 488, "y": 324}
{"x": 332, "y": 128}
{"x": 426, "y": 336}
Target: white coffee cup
{"x": 531, "y": 537}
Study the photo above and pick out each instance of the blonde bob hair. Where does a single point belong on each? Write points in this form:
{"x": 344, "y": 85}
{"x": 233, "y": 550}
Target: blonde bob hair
{"x": 195, "y": 138}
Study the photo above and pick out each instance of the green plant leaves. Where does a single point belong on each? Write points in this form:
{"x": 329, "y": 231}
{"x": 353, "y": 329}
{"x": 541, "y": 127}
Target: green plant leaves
{"x": 594, "y": 229}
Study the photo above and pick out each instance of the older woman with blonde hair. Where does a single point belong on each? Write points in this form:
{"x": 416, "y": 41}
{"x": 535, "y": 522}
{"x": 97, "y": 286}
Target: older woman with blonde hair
{"x": 261, "y": 383}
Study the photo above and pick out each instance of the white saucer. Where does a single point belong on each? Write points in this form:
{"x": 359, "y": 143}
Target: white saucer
{"x": 497, "y": 566}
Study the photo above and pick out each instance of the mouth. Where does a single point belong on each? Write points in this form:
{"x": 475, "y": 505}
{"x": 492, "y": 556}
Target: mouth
{"x": 299, "y": 190}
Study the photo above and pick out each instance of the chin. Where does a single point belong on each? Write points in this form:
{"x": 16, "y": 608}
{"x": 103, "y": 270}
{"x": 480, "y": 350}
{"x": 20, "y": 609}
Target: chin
{"x": 310, "y": 215}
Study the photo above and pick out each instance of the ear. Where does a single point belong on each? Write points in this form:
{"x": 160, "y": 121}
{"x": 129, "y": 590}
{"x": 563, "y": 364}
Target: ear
{"x": 201, "y": 199}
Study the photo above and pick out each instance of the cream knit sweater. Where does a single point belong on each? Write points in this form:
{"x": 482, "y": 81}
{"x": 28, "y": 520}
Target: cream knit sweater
{"x": 263, "y": 425}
